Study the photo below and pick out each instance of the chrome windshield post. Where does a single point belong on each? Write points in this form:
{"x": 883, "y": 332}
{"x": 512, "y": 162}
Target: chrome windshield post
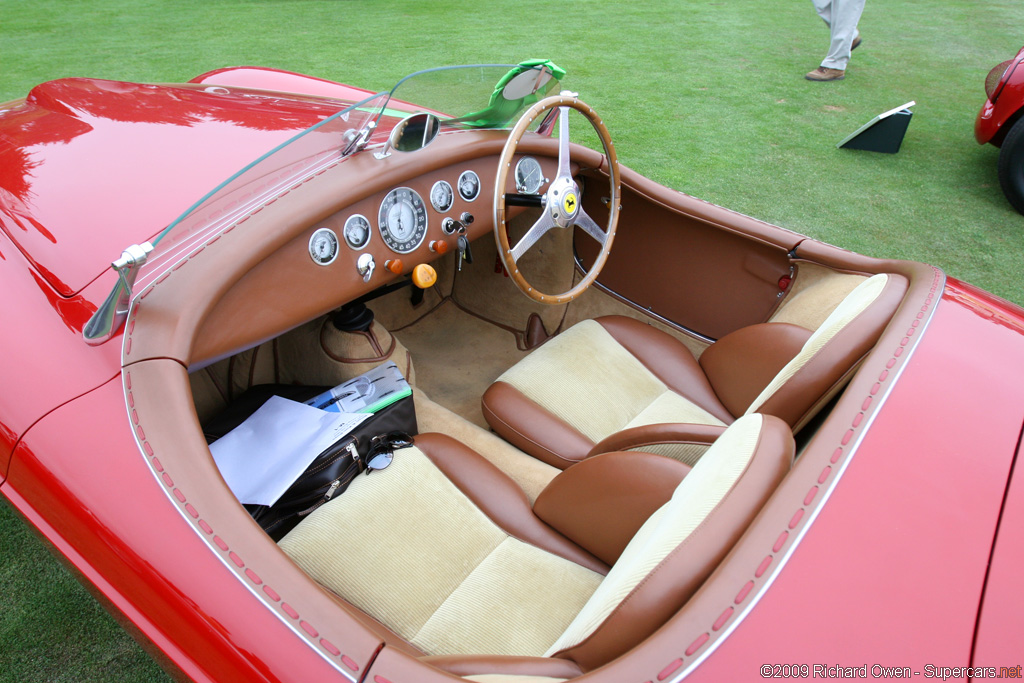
{"x": 357, "y": 139}
{"x": 109, "y": 317}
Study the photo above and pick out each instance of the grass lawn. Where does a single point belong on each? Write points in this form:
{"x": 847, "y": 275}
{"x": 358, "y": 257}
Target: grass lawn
{"x": 706, "y": 97}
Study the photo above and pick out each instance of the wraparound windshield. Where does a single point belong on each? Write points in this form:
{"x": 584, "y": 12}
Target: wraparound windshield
{"x": 476, "y": 96}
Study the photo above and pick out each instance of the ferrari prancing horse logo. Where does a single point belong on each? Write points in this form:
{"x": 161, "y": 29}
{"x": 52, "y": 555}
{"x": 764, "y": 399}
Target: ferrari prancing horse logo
{"x": 569, "y": 203}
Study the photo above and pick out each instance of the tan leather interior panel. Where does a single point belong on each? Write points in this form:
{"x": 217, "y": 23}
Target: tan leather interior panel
{"x": 694, "y": 273}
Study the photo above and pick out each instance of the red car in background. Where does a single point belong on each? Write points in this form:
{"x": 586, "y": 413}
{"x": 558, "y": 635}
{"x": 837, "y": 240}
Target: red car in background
{"x": 1001, "y": 122}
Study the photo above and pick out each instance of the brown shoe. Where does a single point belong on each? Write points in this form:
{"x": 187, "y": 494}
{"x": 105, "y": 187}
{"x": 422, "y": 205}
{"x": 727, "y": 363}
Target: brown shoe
{"x": 856, "y": 43}
{"x": 823, "y": 73}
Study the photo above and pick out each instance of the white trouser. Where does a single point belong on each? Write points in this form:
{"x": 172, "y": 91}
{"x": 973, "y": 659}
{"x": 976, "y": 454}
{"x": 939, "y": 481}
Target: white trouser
{"x": 842, "y": 17}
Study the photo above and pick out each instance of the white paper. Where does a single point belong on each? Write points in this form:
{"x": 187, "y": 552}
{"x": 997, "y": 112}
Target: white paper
{"x": 260, "y": 458}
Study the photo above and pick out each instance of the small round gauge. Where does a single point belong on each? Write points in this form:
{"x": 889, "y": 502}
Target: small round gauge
{"x": 402, "y": 220}
{"x": 357, "y": 231}
{"x": 469, "y": 185}
{"x": 323, "y": 246}
{"x": 442, "y": 196}
{"x": 529, "y": 176}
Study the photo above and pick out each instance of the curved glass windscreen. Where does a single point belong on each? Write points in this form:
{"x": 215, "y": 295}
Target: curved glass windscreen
{"x": 463, "y": 97}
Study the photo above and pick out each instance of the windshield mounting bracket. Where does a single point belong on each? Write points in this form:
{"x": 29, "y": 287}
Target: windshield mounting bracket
{"x": 109, "y": 317}
{"x": 357, "y": 139}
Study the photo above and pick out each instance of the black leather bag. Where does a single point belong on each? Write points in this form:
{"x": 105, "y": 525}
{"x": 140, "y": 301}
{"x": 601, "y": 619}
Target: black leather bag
{"x": 369, "y": 446}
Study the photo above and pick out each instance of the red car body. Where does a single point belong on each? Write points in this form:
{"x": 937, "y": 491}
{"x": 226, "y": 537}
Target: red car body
{"x": 999, "y": 121}
{"x": 1004, "y": 104}
{"x": 903, "y": 553}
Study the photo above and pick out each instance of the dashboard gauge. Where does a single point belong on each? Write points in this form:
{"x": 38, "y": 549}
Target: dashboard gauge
{"x": 529, "y": 176}
{"x": 469, "y": 185}
{"x": 402, "y": 220}
{"x": 442, "y": 196}
{"x": 357, "y": 231}
{"x": 323, "y": 246}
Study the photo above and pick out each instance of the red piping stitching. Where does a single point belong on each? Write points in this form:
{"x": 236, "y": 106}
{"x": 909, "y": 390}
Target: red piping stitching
{"x": 670, "y": 669}
{"x": 826, "y": 473}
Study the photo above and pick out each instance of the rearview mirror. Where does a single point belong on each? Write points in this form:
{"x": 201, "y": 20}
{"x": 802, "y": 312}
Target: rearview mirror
{"x": 414, "y": 132}
{"x": 527, "y": 83}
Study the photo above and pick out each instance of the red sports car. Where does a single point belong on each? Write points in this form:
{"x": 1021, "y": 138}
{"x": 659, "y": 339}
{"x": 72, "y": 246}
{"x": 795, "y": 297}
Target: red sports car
{"x": 656, "y": 439}
{"x": 1001, "y": 122}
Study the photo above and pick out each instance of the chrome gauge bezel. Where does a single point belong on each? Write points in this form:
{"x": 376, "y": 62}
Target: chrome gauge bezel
{"x": 465, "y": 179}
{"x": 444, "y": 188}
{"x": 418, "y": 211}
{"x": 527, "y": 168}
{"x": 323, "y": 246}
{"x": 350, "y": 223}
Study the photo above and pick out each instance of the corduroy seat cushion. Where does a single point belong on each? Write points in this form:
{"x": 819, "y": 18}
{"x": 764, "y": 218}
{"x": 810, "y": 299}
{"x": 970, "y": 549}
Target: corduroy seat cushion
{"x": 436, "y": 549}
{"x": 603, "y": 376}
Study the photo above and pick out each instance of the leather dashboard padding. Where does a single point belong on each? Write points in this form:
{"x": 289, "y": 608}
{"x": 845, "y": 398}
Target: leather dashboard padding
{"x": 603, "y": 501}
{"x": 474, "y": 665}
{"x": 531, "y": 428}
{"x": 801, "y": 394}
{"x": 671, "y": 584}
{"x": 707, "y": 277}
{"x": 742, "y": 363}
{"x": 499, "y": 498}
{"x": 665, "y": 432}
{"x": 668, "y": 359}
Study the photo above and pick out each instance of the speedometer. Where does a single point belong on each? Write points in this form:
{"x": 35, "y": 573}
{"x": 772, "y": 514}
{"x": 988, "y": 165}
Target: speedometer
{"x": 402, "y": 220}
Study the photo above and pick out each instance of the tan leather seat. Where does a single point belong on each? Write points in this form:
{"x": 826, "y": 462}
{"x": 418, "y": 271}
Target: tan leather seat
{"x": 445, "y": 552}
{"x": 614, "y": 381}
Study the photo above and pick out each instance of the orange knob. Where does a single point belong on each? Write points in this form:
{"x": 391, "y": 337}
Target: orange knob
{"x": 394, "y": 265}
{"x": 424, "y": 276}
{"x": 439, "y": 247}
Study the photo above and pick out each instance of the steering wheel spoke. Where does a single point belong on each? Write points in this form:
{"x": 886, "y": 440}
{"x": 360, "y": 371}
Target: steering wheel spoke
{"x": 587, "y": 224}
{"x": 563, "y": 143}
{"x": 536, "y": 231}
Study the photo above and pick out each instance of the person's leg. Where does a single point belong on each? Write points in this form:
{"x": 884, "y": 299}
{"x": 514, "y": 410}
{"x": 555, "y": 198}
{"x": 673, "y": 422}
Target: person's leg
{"x": 845, "y": 15}
{"x": 824, "y": 10}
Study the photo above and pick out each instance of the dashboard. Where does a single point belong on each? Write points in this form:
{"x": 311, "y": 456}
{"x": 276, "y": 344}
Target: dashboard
{"x": 313, "y": 250}
{"x": 391, "y": 232}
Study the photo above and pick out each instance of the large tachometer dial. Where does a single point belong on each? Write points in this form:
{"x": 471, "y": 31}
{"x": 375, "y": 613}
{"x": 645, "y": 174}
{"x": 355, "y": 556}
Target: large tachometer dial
{"x": 402, "y": 220}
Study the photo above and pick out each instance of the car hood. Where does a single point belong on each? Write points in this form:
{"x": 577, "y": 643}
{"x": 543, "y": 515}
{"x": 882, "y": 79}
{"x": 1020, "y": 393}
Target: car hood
{"x": 89, "y": 167}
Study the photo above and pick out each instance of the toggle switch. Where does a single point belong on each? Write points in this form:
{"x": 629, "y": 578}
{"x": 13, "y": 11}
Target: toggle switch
{"x": 365, "y": 266}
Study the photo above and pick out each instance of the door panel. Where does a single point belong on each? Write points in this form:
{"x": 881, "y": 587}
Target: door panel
{"x": 709, "y": 278}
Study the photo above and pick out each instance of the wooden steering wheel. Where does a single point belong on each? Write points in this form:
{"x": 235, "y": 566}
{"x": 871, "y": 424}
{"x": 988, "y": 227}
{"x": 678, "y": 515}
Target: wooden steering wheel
{"x": 562, "y": 202}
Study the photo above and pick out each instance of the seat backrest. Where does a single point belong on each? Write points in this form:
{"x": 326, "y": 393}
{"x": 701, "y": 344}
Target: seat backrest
{"x": 682, "y": 542}
{"x": 785, "y": 370}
